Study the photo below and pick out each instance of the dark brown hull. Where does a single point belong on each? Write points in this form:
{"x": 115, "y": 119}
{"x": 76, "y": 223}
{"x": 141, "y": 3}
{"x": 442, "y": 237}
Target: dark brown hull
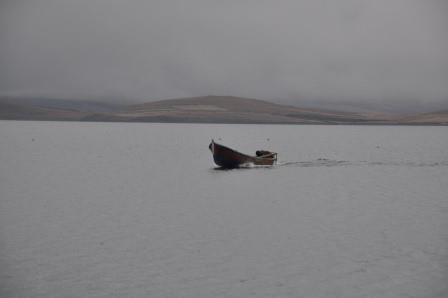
{"x": 229, "y": 158}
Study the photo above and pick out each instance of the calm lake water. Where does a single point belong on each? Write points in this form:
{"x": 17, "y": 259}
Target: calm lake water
{"x": 138, "y": 210}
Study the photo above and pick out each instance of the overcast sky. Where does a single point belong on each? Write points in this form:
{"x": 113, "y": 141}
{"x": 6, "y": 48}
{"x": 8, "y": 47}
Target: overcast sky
{"x": 283, "y": 50}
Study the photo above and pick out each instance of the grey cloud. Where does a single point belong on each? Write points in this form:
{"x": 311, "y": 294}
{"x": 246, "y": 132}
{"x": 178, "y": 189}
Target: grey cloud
{"x": 284, "y": 50}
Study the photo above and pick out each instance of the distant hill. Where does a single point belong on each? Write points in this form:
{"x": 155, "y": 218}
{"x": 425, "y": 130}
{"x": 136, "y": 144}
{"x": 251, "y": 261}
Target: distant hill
{"x": 393, "y": 107}
{"x": 12, "y": 108}
{"x": 63, "y": 104}
{"x": 206, "y": 109}
{"x": 13, "y": 111}
{"x": 440, "y": 117}
{"x": 228, "y": 109}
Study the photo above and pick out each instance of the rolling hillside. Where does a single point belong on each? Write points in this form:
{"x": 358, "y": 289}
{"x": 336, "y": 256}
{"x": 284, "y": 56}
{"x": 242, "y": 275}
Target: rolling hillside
{"x": 227, "y": 109}
{"x": 207, "y": 109}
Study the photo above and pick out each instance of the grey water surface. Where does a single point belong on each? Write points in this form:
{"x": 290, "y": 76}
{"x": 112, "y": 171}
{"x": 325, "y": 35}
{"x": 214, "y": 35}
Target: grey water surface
{"x": 139, "y": 210}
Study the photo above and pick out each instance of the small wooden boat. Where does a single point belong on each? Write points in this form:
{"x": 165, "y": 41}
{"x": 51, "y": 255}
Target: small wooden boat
{"x": 229, "y": 158}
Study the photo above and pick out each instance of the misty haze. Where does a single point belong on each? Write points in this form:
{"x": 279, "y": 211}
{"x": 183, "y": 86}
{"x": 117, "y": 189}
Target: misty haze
{"x": 378, "y": 54}
{"x": 223, "y": 148}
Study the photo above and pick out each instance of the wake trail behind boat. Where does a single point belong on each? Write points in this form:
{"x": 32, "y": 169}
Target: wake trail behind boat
{"x": 323, "y": 162}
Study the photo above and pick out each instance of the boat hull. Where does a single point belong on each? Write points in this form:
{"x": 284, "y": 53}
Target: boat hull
{"x": 229, "y": 158}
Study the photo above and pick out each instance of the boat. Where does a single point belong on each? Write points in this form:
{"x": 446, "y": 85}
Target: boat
{"x": 226, "y": 157}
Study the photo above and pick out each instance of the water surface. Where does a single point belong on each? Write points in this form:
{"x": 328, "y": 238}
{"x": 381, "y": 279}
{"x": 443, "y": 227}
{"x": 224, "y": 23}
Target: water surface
{"x": 139, "y": 210}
